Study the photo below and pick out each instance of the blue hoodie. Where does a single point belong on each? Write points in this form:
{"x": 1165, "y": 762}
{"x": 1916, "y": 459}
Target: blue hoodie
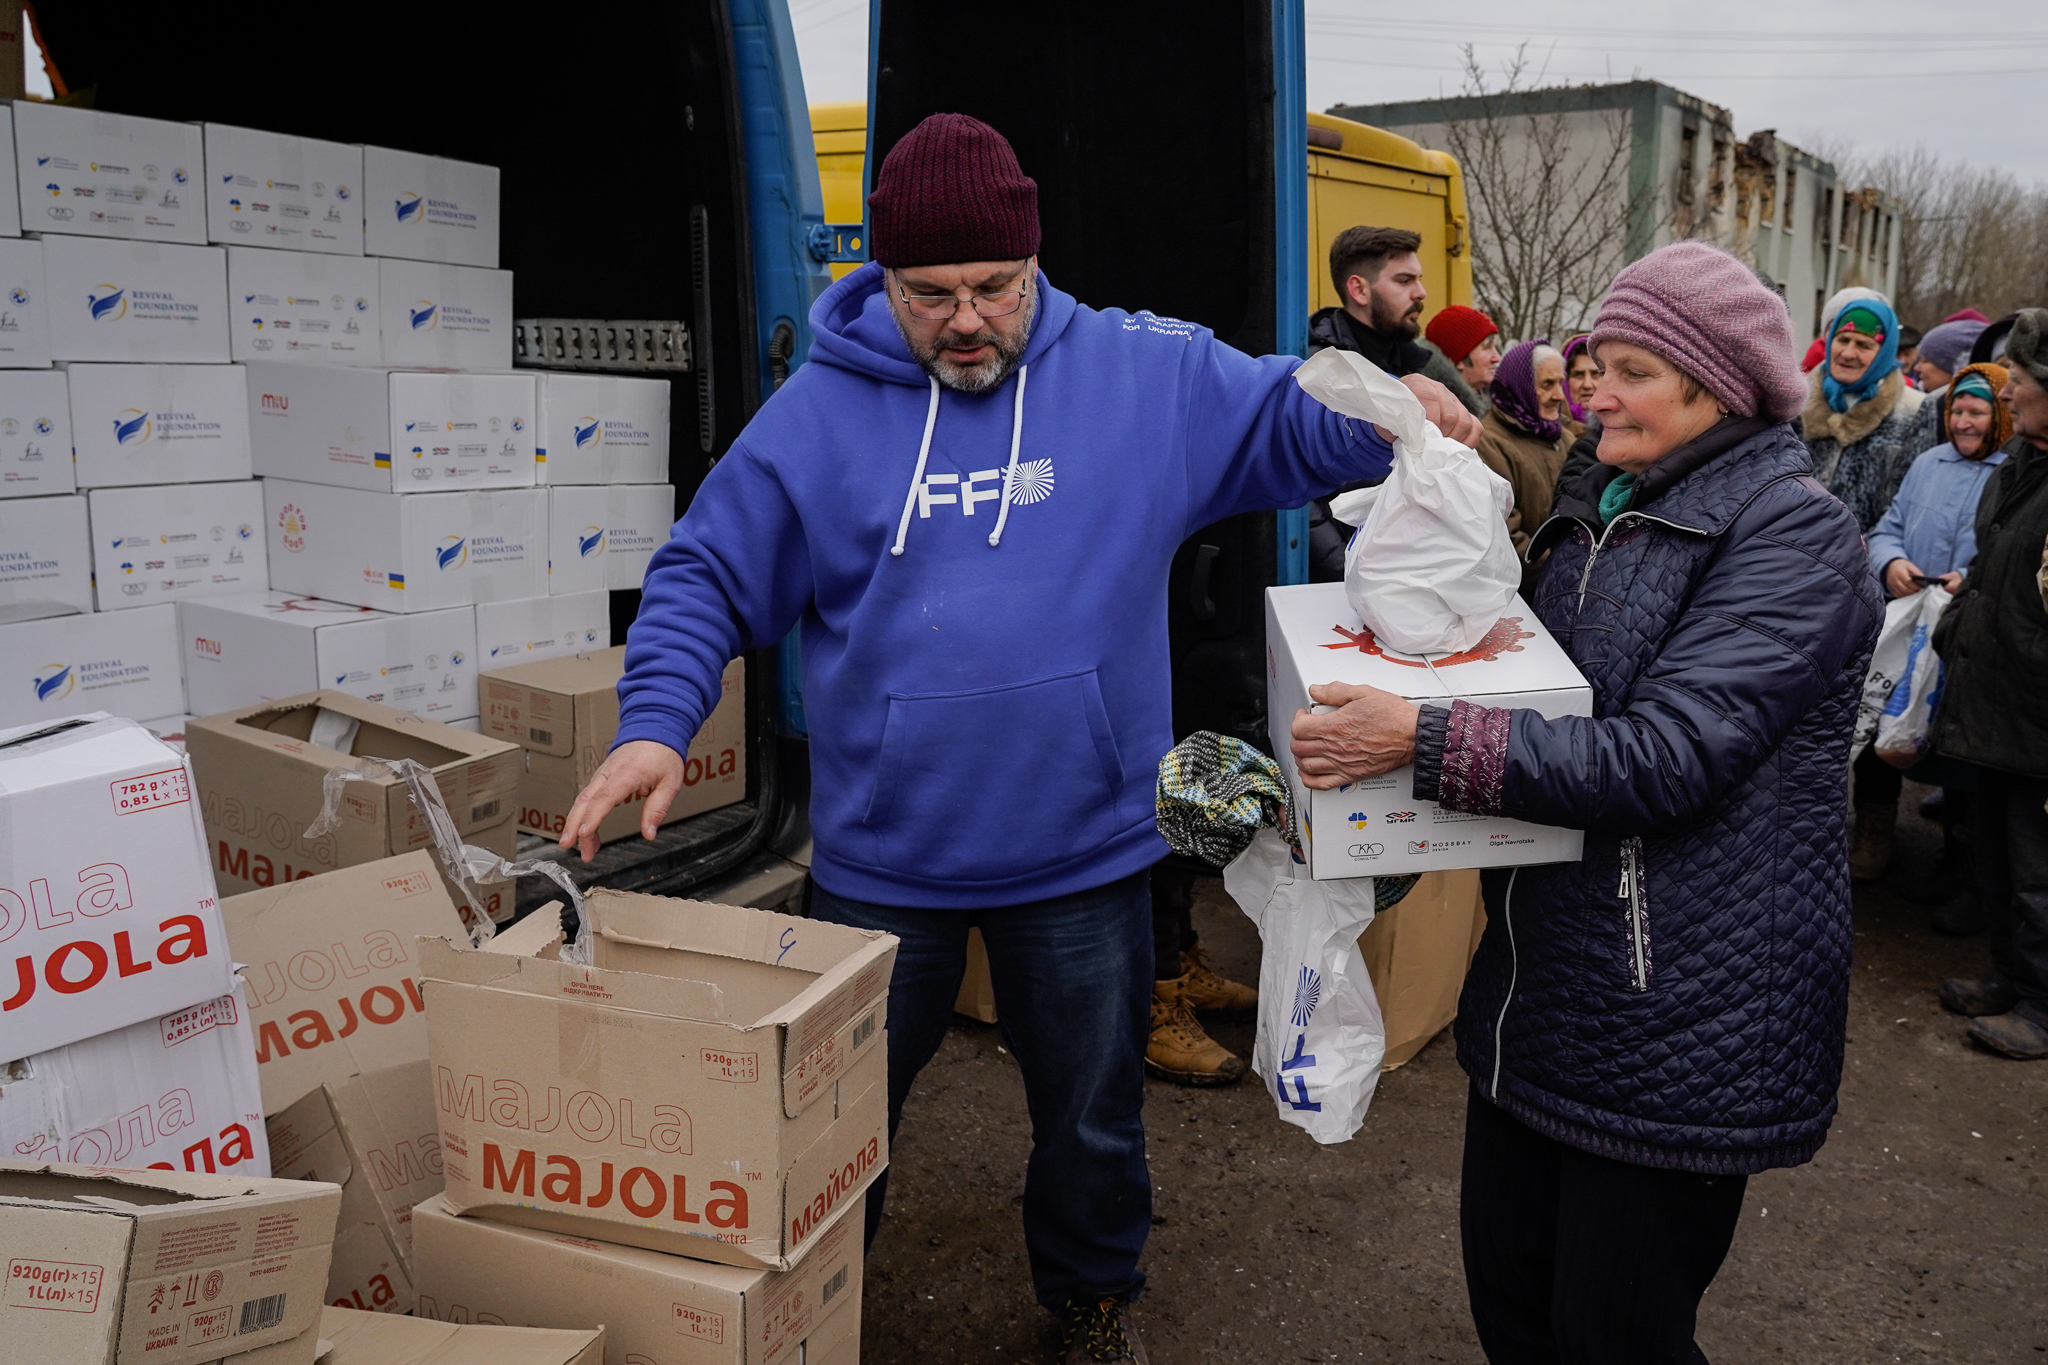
{"x": 986, "y": 678}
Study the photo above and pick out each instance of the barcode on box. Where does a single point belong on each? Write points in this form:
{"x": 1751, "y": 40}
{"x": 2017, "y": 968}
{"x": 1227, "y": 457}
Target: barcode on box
{"x": 833, "y": 1286}
{"x": 260, "y": 1315}
{"x": 863, "y": 1030}
{"x": 485, "y": 811}
{"x": 540, "y": 736}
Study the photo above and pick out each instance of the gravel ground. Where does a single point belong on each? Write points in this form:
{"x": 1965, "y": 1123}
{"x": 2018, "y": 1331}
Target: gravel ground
{"x": 1919, "y": 1234}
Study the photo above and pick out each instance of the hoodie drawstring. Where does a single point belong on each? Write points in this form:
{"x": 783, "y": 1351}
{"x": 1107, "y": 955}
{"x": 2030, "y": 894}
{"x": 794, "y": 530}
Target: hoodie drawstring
{"x": 924, "y": 450}
{"x": 1010, "y": 473}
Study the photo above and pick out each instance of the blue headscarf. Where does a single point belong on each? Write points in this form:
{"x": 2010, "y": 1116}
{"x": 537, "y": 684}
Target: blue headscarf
{"x": 1841, "y": 397}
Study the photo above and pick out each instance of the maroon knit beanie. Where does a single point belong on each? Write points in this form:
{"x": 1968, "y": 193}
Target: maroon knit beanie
{"x": 950, "y": 192}
{"x": 1456, "y": 330}
{"x": 1708, "y": 314}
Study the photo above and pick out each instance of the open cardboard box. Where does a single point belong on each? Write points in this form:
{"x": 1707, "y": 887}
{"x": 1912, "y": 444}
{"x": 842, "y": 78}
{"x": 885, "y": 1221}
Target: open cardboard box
{"x": 260, "y": 770}
{"x": 654, "y": 1306}
{"x": 713, "y": 1085}
{"x": 124, "y": 1267}
{"x": 357, "y": 1338}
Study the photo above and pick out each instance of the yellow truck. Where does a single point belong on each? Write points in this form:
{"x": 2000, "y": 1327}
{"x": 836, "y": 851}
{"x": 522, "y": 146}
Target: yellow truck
{"x": 1356, "y": 175}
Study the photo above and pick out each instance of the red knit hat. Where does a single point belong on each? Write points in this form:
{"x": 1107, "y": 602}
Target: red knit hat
{"x": 1456, "y": 329}
{"x": 951, "y": 191}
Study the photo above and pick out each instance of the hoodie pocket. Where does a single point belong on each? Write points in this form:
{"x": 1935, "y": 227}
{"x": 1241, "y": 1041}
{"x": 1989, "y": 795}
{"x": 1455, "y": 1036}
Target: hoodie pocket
{"x": 995, "y": 783}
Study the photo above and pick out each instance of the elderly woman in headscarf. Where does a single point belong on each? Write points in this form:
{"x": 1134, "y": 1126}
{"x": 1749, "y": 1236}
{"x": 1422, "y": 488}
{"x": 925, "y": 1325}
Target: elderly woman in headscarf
{"x": 1943, "y": 351}
{"x": 1928, "y": 535}
{"x": 1994, "y": 713}
{"x": 1581, "y": 374}
{"x": 1524, "y": 439}
{"x": 1860, "y": 415}
{"x": 1648, "y": 1026}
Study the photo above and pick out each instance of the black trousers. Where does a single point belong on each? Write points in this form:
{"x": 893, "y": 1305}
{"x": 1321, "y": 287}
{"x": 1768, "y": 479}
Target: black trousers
{"x": 2012, "y": 877}
{"x": 1878, "y": 783}
{"x": 1173, "y": 914}
{"x": 1571, "y": 1257}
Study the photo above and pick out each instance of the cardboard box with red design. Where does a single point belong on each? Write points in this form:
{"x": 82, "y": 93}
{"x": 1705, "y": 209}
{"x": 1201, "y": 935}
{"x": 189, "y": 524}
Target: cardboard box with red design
{"x": 121, "y": 1267}
{"x": 353, "y": 1337}
{"x": 713, "y": 1085}
{"x": 565, "y": 713}
{"x": 654, "y": 1306}
{"x": 108, "y": 913}
{"x": 1377, "y": 827}
{"x": 176, "y": 1092}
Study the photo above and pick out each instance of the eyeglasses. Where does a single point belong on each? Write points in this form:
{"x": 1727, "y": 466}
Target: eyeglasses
{"x": 944, "y": 307}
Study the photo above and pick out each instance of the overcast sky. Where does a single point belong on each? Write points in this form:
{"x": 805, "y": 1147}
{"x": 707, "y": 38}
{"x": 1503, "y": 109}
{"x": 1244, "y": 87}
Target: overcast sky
{"x": 1969, "y": 80}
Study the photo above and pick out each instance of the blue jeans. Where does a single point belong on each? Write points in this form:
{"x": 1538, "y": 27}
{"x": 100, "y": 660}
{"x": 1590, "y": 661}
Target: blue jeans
{"x": 1073, "y": 988}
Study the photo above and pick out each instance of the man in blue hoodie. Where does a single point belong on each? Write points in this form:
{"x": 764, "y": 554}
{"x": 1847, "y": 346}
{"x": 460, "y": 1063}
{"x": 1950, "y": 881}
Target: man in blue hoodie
{"x": 980, "y": 576}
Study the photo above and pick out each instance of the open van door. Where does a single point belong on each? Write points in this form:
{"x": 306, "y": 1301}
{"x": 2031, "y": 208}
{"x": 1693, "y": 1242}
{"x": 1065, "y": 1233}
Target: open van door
{"x": 656, "y": 165}
{"x": 1168, "y": 142}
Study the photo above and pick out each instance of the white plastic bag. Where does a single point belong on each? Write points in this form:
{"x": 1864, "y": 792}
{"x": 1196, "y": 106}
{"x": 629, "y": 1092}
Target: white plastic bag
{"x": 1903, "y": 685}
{"x": 1321, "y": 1039}
{"x": 1432, "y": 567}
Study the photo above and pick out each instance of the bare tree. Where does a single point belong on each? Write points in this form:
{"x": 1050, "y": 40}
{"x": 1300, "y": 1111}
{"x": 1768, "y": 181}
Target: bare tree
{"x": 1551, "y": 202}
{"x": 1971, "y": 236}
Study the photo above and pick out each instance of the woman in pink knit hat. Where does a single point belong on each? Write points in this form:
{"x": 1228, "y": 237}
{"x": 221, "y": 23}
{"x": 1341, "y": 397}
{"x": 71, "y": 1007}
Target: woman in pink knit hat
{"x": 1647, "y": 1027}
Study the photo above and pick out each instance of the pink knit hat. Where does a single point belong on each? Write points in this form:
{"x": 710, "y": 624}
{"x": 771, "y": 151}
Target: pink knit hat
{"x": 1708, "y": 314}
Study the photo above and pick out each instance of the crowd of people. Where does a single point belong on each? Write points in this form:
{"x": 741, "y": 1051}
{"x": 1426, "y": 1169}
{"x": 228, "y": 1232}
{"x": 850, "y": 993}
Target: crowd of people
{"x": 1710, "y": 537}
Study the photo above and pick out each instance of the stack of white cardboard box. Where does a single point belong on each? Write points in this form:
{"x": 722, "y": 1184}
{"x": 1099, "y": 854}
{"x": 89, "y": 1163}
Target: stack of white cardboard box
{"x": 302, "y": 456}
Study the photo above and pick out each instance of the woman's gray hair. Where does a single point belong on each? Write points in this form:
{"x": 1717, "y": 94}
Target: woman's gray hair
{"x": 1545, "y": 351}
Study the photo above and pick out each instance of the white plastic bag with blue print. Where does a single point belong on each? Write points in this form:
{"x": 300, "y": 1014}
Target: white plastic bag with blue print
{"x": 1321, "y": 1038}
{"x": 1432, "y": 568}
{"x": 1903, "y": 685}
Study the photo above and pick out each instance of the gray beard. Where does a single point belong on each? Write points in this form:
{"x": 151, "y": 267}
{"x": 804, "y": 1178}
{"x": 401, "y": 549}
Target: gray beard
{"x": 979, "y": 378}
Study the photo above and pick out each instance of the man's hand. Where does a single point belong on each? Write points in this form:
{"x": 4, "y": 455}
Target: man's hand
{"x": 1372, "y": 733}
{"x": 1442, "y": 407}
{"x": 635, "y": 769}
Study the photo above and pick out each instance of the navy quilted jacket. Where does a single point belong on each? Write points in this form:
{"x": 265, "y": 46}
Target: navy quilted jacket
{"x": 1678, "y": 997}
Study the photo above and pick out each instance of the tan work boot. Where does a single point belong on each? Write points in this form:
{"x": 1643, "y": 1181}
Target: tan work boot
{"x": 1870, "y": 852}
{"x": 1180, "y": 1051}
{"x": 1208, "y": 991}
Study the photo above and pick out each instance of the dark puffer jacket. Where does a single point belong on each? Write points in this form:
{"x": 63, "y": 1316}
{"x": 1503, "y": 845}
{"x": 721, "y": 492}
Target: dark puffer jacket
{"x": 1678, "y": 997}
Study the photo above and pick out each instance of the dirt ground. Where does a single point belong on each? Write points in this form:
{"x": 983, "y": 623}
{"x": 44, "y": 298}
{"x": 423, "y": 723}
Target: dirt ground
{"x": 1919, "y": 1234}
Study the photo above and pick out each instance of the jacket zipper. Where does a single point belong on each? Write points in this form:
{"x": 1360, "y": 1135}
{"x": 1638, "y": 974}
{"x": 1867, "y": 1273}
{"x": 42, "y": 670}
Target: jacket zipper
{"x": 1636, "y": 911}
{"x": 1600, "y": 543}
{"x": 1507, "y": 911}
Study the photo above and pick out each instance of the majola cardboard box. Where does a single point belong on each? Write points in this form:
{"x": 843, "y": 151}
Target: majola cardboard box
{"x": 260, "y": 771}
{"x": 297, "y": 307}
{"x": 444, "y": 316}
{"x": 110, "y": 175}
{"x": 429, "y": 208}
{"x": 136, "y": 302}
{"x": 333, "y": 971}
{"x": 158, "y": 424}
{"x": 1377, "y": 827}
{"x": 407, "y": 551}
{"x": 656, "y": 1308}
{"x": 713, "y": 1085}
{"x": 272, "y": 190}
{"x": 45, "y": 557}
{"x": 255, "y": 647}
{"x": 35, "y": 434}
{"x": 24, "y": 306}
{"x": 175, "y": 1092}
{"x": 176, "y": 541}
{"x": 376, "y": 1136}
{"x": 359, "y": 1338}
{"x": 565, "y": 713}
{"x": 107, "y": 910}
{"x": 536, "y": 628}
{"x": 120, "y": 662}
{"x": 124, "y": 1267}
{"x": 600, "y": 428}
{"x": 602, "y": 537}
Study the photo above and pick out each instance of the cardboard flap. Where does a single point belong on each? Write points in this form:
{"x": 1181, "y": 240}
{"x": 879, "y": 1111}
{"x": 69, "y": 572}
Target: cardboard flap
{"x": 806, "y": 945}
{"x": 809, "y": 1076}
{"x": 538, "y": 935}
{"x": 360, "y": 1338}
{"x": 305, "y": 1141}
{"x": 827, "y": 1181}
{"x": 442, "y": 960}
